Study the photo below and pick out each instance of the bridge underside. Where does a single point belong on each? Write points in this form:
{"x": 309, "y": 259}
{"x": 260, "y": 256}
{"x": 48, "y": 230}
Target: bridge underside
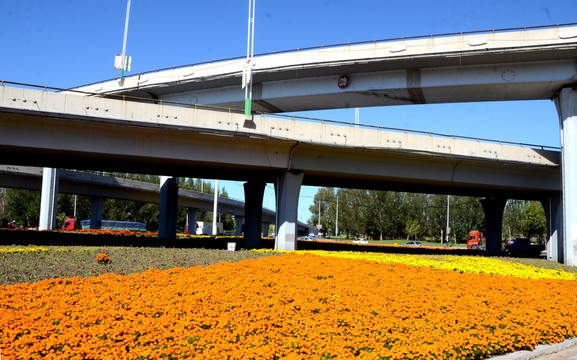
{"x": 152, "y": 149}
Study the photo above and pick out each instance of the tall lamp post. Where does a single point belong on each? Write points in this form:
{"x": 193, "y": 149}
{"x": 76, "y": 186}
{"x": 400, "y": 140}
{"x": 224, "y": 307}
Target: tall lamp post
{"x": 123, "y": 56}
{"x": 448, "y": 228}
{"x": 247, "y": 84}
{"x": 337, "y": 221}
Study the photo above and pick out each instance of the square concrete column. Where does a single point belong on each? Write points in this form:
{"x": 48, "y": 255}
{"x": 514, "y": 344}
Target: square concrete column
{"x": 493, "y": 209}
{"x": 265, "y": 227}
{"x": 288, "y": 189}
{"x": 554, "y": 213}
{"x": 238, "y": 222}
{"x": 168, "y": 207}
{"x": 96, "y": 209}
{"x": 191, "y": 216}
{"x": 566, "y": 103}
{"x": 253, "y": 196}
{"x": 48, "y": 199}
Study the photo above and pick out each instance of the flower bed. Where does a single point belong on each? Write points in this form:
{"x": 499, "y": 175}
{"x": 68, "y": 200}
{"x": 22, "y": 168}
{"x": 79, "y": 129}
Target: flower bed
{"x": 468, "y": 264}
{"x": 296, "y": 306}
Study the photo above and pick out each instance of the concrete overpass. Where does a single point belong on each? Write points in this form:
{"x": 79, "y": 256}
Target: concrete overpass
{"x": 517, "y": 64}
{"x": 100, "y": 187}
{"x": 512, "y": 64}
{"x": 61, "y": 130}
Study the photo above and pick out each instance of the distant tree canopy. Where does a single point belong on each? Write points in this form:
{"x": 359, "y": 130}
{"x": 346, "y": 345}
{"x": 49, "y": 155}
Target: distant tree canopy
{"x": 366, "y": 213}
{"x": 397, "y": 215}
{"x": 24, "y": 205}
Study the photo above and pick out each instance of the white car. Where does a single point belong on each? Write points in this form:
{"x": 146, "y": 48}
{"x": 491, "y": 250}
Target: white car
{"x": 360, "y": 241}
{"x": 414, "y": 243}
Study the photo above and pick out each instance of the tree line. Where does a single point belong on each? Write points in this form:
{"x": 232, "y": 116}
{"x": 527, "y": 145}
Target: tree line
{"x": 23, "y": 206}
{"x": 361, "y": 213}
{"x": 381, "y": 215}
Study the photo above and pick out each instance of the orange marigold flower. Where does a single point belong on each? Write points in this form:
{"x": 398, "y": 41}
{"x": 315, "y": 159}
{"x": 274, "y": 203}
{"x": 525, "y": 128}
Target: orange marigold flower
{"x": 103, "y": 259}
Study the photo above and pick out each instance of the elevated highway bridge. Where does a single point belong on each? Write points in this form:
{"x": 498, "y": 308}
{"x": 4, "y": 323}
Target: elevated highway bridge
{"x": 64, "y": 130}
{"x": 172, "y": 136}
{"x": 100, "y": 187}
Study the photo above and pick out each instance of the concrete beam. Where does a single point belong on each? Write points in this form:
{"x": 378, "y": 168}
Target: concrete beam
{"x": 58, "y": 129}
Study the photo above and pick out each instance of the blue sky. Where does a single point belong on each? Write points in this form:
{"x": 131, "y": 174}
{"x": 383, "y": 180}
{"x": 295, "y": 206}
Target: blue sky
{"x": 65, "y": 43}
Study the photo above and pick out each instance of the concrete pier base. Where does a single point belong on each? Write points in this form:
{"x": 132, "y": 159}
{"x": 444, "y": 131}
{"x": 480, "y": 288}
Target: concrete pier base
{"x": 253, "y": 196}
{"x": 48, "y": 199}
{"x": 553, "y": 207}
{"x": 191, "y": 216}
{"x": 493, "y": 209}
{"x": 288, "y": 189}
{"x": 566, "y": 103}
{"x": 168, "y": 207}
{"x": 96, "y": 209}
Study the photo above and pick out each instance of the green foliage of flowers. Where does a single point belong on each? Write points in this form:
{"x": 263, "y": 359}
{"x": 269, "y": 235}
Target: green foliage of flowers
{"x": 464, "y": 264}
{"x": 26, "y": 264}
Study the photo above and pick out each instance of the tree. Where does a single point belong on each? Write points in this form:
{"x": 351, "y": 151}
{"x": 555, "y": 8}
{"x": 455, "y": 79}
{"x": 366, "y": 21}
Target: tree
{"x": 23, "y": 206}
{"x": 535, "y": 222}
{"x": 3, "y": 199}
{"x": 326, "y": 198}
{"x": 513, "y": 217}
{"x": 466, "y": 215}
{"x": 412, "y": 228}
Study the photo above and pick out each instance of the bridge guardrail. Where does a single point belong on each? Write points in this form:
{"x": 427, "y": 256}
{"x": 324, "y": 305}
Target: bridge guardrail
{"x": 319, "y": 47}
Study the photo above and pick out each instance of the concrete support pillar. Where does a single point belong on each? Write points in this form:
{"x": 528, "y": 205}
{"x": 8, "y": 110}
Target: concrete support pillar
{"x": 253, "y": 195}
{"x": 96, "y": 208}
{"x": 168, "y": 206}
{"x": 48, "y": 199}
{"x": 265, "y": 227}
{"x": 238, "y": 222}
{"x": 288, "y": 189}
{"x": 566, "y": 104}
{"x": 191, "y": 216}
{"x": 493, "y": 209}
{"x": 554, "y": 213}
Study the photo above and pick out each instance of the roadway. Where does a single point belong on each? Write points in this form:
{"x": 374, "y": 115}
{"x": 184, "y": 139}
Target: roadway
{"x": 520, "y": 64}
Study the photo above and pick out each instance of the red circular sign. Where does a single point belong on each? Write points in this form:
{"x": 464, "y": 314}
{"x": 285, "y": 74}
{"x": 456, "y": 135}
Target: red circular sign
{"x": 343, "y": 81}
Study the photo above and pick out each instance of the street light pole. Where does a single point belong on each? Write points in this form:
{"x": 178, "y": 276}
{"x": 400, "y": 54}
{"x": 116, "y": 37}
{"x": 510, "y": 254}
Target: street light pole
{"x": 249, "y": 59}
{"x": 448, "y": 228}
{"x": 215, "y": 208}
{"x": 337, "y": 221}
{"x": 123, "y": 63}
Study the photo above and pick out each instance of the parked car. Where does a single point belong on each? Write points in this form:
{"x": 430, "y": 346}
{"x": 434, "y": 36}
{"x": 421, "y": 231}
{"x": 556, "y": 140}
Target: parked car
{"x": 361, "y": 241}
{"x": 414, "y": 243}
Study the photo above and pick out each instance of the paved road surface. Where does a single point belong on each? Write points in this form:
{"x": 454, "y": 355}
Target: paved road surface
{"x": 566, "y": 350}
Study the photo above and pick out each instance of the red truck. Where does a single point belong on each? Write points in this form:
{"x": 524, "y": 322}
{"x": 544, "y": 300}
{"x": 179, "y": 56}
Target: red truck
{"x": 476, "y": 240}
{"x": 69, "y": 224}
